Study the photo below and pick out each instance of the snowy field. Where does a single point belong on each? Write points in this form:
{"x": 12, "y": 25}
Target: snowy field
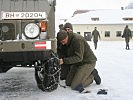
{"x": 115, "y": 66}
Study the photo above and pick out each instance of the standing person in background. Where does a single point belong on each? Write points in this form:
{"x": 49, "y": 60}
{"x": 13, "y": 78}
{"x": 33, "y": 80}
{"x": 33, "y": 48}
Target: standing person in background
{"x": 68, "y": 27}
{"x": 80, "y": 59}
{"x": 127, "y": 35}
{"x": 60, "y": 27}
{"x": 95, "y": 35}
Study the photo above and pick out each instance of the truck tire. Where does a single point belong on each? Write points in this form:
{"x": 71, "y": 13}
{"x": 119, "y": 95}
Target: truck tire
{"x": 47, "y": 77}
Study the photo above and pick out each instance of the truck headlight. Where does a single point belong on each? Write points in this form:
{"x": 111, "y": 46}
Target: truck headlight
{"x": 31, "y": 30}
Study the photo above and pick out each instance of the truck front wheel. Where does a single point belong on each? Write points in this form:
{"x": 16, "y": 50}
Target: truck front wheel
{"x": 48, "y": 75}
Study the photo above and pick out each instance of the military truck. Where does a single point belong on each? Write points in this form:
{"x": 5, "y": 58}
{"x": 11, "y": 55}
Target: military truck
{"x": 27, "y": 39}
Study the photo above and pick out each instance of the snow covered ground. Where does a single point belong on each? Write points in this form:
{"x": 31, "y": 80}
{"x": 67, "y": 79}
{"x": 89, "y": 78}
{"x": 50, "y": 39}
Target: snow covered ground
{"x": 115, "y": 66}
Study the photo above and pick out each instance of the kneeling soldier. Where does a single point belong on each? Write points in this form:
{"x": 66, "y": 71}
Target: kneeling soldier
{"x": 81, "y": 60}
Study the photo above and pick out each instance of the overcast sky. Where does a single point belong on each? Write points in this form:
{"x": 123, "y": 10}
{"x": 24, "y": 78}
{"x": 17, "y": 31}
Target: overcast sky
{"x": 65, "y": 8}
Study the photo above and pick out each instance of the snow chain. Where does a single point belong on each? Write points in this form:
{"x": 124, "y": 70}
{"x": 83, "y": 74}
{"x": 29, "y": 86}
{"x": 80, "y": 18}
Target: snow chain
{"x": 51, "y": 74}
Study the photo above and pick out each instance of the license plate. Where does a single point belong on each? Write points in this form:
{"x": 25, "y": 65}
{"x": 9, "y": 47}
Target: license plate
{"x": 23, "y": 15}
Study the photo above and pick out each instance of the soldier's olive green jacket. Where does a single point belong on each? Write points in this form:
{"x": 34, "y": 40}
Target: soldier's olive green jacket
{"x": 78, "y": 51}
{"x": 126, "y": 33}
{"x": 95, "y": 35}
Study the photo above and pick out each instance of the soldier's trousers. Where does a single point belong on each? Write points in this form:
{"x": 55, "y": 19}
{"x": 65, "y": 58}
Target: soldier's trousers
{"x": 95, "y": 43}
{"x": 80, "y": 75}
{"x": 127, "y": 42}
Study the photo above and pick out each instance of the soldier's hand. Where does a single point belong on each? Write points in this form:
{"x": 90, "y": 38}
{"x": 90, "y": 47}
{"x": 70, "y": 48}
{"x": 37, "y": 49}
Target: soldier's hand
{"x": 61, "y": 61}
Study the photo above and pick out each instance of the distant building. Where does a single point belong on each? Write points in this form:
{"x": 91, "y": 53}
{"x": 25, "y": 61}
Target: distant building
{"x": 130, "y": 6}
{"x": 110, "y": 23}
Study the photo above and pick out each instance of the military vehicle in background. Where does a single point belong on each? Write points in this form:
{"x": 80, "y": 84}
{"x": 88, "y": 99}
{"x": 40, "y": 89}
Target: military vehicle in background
{"x": 27, "y": 39}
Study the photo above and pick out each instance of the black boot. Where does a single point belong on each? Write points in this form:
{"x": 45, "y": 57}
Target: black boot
{"x": 96, "y": 77}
